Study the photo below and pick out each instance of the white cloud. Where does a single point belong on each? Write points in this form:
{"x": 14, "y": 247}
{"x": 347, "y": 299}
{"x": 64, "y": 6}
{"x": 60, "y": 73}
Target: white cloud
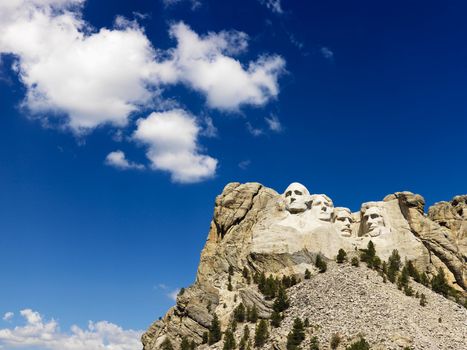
{"x": 209, "y": 129}
{"x": 273, "y": 5}
{"x": 173, "y": 294}
{"x": 39, "y": 333}
{"x": 91, "y": 77}
{"x": 202, "y": 63}
{"x": 254, "y": 131}
{"x": 244, "y": 164}
{"x": 118, "y": 159}
{"x": 274, "y": 123}
{"x": 327, "y": 53}
{"x": 8, "y": 316}
{"x": 195, "y": 4}
{"x": 172, "y": 137}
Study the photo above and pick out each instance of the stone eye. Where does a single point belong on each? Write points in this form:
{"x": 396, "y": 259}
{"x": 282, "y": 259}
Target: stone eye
{"x": 288, "y": 193}
{"x": 298, "y": 193}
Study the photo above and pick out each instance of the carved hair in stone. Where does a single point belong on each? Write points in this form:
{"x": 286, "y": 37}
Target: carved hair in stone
{"x": 342, "y": 218}
{"x": 373, "y": 223}
{"x": 297, "y": 198}
{"x": 321, "y": 207}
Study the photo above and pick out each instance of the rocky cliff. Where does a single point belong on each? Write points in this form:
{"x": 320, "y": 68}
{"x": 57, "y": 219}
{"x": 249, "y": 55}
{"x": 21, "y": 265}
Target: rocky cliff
{"x": 257, "y": 231}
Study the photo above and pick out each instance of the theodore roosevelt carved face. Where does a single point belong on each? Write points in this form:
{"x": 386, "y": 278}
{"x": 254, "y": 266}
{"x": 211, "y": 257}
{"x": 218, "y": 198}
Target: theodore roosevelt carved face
{"x": 342, "y": 218}
{"x": 297, "y": 198}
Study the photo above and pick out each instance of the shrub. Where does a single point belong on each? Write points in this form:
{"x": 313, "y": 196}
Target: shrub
{"x": 335, "y": 341}
{"x": 306, "y": 324}
{"x": 245, "y": 273}
{"x": 408, "y": 291}
{"x": 185, "y": 345}
{"x": 276, "y": 319}
{"x": 205, "y": 337}
{"x": 341, "y": 256}
{"x": 355, "y": 261}
{"x": 192, "y": 345}
{"x": 307, "y": 274}
{"x": 362, "y": 344}
{"x": 252, "y": 314}
{"x": 231, "y": 270}
{"x": 261, "y": 333}
{"x": 321, "y": 264}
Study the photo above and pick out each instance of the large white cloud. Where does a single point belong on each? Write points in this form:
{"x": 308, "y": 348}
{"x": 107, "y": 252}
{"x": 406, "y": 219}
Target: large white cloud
{"x": 171, "y": 137}
{"x": 39, "y": 333}
{"x": 203, "y": 63}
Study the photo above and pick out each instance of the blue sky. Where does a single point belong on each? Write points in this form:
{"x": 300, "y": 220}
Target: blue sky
{"x": 121, "y": 121}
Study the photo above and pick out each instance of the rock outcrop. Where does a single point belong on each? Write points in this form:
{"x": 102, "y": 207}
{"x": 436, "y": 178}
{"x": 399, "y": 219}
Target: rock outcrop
{"x": 256, "y": 230}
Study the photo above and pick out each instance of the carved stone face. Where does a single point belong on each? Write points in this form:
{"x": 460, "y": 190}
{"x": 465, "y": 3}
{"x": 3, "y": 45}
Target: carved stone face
{"x": 321, "y": 207}
{"x": 297, "y": 198}
{"x": 373, "y": 221}
{"x": 342, "y": 218}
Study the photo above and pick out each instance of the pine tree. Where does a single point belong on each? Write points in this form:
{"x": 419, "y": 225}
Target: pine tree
{"x": 341, "y": 256}
{"x": 413, "y": 272}
{"x": 306, "y": 323}
{"x": 276, "y": 319}
{"x": 239, "y": 313}
{"x": 261, "y": 333}
{"x": 296, "y": 335}
{"x": 321, "y": 264}
{"x": 286, "y": 281}
{"x": 355, "y": 262}
{"x": 369, "y": 254}
{"x": 185, "y": 345}
{"x": 245, "y": 273}
{"x": 307, "y": 274}
{"x": 423, "y": 300}
{"x": 314, "y": 343}
{"x": 215, "y": 331}
{"x": 252, "y": 315}
{"x": 362, "y": 344}
{"x": 424, "y": 279}
{"x": 335, "y": 341}
{"x": 246, "y": 332}
{"x": 192, "y": 345}
{"x": 205, "y": 337}
{"x": 394, "y": 265}
{"x": 242, "y": 344}
{"x": 229, "y": 340}
{"x": 166, "y": 345}
{"x": 282, "y": 301}
{"x": 404, "y": 277}
{"x": 439, "y": 283}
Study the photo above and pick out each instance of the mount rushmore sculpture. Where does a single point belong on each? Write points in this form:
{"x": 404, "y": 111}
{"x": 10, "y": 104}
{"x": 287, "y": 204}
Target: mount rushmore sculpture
{"x": 257, "y": 229}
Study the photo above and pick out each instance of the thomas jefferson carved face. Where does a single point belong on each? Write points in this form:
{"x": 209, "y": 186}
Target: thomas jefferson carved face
{"x": 321, "y": 207}
{"x": 342, "y": 218}
{"x": 373, "y": 221}
{"x": 297, "y": 198}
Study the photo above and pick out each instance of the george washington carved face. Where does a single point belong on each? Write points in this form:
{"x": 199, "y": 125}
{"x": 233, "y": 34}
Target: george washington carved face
{"x": 297, "y": 198}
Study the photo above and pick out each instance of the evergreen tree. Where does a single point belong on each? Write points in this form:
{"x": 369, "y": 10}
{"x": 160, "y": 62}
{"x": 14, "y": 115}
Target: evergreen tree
{"x": 262, "y": 282}
{"x": 167, "y": 345}
{"x": 321, "y": 264}
{"x": 394, "y": 265}
{"x": 239, "y": 313}
{"x": 245, "y": 273}
{"x": 424, "y": 279}
{"x": 306, "y": 324}
{"x": 293, "y": 281}
{"x": 362, "y": 344}
{"x": 233, "y": 325}
{"x": 314, "y": 343}
{"x": 229, "y": 286}
{"x": 229, "y": 340}
{"x": 403, "y": 279}
{"x": 355, "y": 262}
{"x": 408, "y": 290}
{"x": 256, "y": 278}
{"x": 335, "y": 341}
{"x": 296, "y": 335}
{"x": 231, "y": 270}
{"x": 286, "y": 281}
{"x": 185, "y": 345}
{"x": 276, "y": 319}
{"x": 423, "y": 300}
{"x": 439, "y": 283}
{"x": 307, "y": 274}
{"x": 246, "y": 332}
{"x": 341, "y": 256}
{"x": 368, "y": 254}
{"x": 215, "y": 331}
{"x": 261, "y": 333}
{"x": 384, "y": 267}
{"x": 205, "y": 337}
{"x": 192, "y": 345}
{"x": 413, "y": 272}
{"x": 242, "y": 344}
{"x": 376, "y": 262}
{"x": 282, "y": 301}
{"x": 252, "y": 314}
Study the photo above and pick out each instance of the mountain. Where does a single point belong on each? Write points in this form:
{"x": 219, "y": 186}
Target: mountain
{"x": 274, "y": 256}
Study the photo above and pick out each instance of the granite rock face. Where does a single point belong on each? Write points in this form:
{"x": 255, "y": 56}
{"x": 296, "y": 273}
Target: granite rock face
{"x": 256, "y": 229}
